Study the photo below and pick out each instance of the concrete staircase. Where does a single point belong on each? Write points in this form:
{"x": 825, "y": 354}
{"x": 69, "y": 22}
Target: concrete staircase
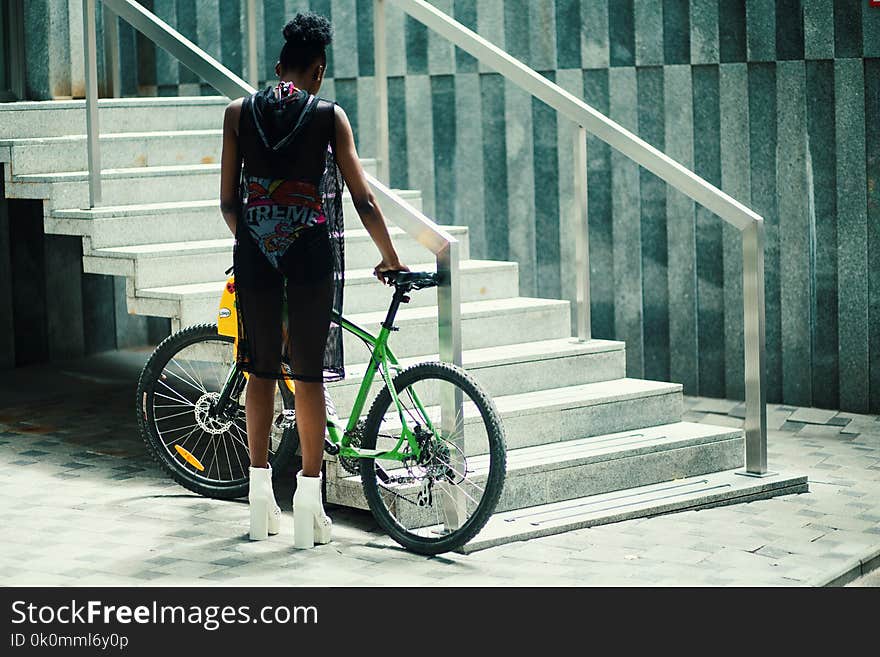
{"x": 586, "y": 444}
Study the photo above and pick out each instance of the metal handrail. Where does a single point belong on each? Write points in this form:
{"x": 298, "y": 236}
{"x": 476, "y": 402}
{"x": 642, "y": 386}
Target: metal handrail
{"x": 750, "y": 224}
{"x": 444, "y": 246}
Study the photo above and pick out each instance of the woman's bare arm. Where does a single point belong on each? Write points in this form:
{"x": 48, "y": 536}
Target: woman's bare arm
{"x": 230, "y": 166}
{"x": 364, "y": 202}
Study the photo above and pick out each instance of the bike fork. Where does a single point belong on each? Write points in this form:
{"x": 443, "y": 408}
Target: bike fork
{"x": 232, "y": 388}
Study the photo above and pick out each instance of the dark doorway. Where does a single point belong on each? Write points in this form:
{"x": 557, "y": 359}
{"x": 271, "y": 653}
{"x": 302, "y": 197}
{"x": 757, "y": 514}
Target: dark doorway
{"x": 11, "y": 50}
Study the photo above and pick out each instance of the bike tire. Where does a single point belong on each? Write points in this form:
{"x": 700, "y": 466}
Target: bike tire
{"x": 497, "y": 455}
{"x": 146, "y": 406}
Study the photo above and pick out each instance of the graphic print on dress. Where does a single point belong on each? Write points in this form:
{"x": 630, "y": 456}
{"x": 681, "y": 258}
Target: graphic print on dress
{"x": 277, "y": 210}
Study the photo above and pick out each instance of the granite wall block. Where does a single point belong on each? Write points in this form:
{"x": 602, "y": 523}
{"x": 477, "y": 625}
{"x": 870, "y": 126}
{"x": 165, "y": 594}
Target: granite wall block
{"x": 600, "y": 211}
{"x": 852, "y": 233}
{"x": 735, "y": 167}
{"x": 652, "y": 199}
{"x": 818, "y": 29}
{"x": 762, "y": 155}
{"x": 676, "y": 32}
{"x": 710, "y": 249}
{"x": 704, "y": 32}
{"x": 546, "y": 200}
{"x": 794, "y": 224}
{"x": 681, "y": 231}
{"x": 762, "y": 29}
{"x": 872, "y": 149}
{"x": 520, "y": 199}
{"x": 492, "y": 96}
{"x": 626, "y": 225}
{"x": 822, "y": 180}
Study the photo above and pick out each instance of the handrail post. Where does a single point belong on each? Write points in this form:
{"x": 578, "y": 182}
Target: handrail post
{"x": 451, "y": 401}
{"x": 380, "y": 63}
{"x": 111, "y": 45}
{"x": 253, "y": 71}
{"x": 755, "y": 349}
{"x": 92, "y": 130}
{"x": 582, "y": 236}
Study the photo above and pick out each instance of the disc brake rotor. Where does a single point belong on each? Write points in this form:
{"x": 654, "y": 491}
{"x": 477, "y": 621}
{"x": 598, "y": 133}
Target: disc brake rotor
{"x": 208, "y": 421}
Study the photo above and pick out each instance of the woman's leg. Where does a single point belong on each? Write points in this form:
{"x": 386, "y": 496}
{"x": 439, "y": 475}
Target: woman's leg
{"x": 311, "y": 420}
{"x": 259, "y": 405}
{"x": 309, "y": 308}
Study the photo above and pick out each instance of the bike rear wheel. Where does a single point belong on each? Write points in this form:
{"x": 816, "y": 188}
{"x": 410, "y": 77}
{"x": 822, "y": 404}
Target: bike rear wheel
{"x": 438, "y": 502}
{"x": 203, "y": 451}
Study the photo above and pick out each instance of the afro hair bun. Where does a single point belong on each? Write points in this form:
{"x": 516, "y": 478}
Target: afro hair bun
{"x": 308, "y": 29}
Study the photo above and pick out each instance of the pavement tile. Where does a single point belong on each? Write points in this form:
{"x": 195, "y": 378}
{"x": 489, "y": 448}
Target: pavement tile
{"x": 812, "y": 415}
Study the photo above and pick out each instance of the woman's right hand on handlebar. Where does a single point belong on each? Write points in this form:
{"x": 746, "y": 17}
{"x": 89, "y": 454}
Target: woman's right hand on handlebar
{"x": 386, "y": 266}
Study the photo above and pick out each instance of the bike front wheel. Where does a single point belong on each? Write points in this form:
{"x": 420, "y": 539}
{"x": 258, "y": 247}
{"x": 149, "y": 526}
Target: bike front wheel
{"x": 204, "y": 450}
{"x": 437, "y": 501}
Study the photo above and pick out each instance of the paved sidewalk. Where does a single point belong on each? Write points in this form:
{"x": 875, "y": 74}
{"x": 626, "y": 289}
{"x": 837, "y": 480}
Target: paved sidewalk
{"x": 82, "y": 504}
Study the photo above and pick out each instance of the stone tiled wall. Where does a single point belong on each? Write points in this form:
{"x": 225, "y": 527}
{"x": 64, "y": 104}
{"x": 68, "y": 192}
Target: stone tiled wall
{"x": 775, "y": 101}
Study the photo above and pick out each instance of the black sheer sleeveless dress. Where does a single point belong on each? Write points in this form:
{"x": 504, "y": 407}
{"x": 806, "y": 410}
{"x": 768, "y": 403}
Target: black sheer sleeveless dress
{"x": 288, "y": 257}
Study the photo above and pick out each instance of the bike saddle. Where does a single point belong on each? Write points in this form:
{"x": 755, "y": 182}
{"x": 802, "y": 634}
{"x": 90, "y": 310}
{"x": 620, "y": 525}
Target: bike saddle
{"x": 412, "y": 280}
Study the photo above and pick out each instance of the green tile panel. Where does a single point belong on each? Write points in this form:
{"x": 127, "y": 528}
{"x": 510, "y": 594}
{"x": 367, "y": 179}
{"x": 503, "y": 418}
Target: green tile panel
{"x": 600, "y": 211}
{"x": 648, "y": 21}
{"x": 794, "y": 224}
{"x": 520, "y": 198}
{"x": 652, "y": 200}
{"x": 681, "y": 231}
{"x": 704, "y": 32}
{"x": 818, "y": 29}
{"x": 546, "y": 199}
{"x": 761, "y": 29}
{"x": 822, "y": 181}
{"x": 467, "y": 194}
{"x": 710, "y": 248}
{"x": 734, "y": 90}
{"x": 872, "y": 149}
{"x": 852, "y": 233}
{"x": 441, "y": 53}
{"x": 345, "y": 42}
{"x": 420, "y": 137}
{"x": 595, "y": 50}
{"x": 625, "y": 223}
{"x": 492, "y": 92}
{"x": 762, "y": 156}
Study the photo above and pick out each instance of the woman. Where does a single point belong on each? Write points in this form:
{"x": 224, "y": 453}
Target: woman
{"x": 281, "y": 196}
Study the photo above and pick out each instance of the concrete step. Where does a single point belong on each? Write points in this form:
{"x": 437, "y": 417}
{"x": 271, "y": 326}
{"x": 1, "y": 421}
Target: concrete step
{"x": 688, "y": 494}
{"x": 141, "y": 185}
{"x": 119, "y": 150}
{"x": 555, "y": 414}
{"x": 67, "y": 117}
{"x": 69, "y": 189}
{"x": 513, "y": 368}
{"x": 487, "y": 323}
{"x": 480, "y": 279}
{"x": 205, "y": 261}
{"x": 570, "y": 469}
{"x": 175, "y": 221}
{"x": 549, "y": 363}
{"x": 148, "y": 223}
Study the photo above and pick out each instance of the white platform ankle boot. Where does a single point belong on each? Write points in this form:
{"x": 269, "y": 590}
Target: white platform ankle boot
{"x": 310, "y": 524}
{"x": 265, "y": 512}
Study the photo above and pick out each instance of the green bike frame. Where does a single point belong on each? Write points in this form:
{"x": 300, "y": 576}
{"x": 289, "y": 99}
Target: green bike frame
{"x": 383, "y": 361}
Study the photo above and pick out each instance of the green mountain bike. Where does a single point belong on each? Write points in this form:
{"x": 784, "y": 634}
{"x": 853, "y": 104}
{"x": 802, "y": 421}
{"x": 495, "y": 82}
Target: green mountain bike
{"x": 431, "y": 481}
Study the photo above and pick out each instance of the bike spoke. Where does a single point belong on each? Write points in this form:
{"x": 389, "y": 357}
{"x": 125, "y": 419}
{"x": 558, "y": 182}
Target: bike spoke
{"x": 173, "y": 415}
{"x": 188, "y": 381}
{"x": 180, "y": 396}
